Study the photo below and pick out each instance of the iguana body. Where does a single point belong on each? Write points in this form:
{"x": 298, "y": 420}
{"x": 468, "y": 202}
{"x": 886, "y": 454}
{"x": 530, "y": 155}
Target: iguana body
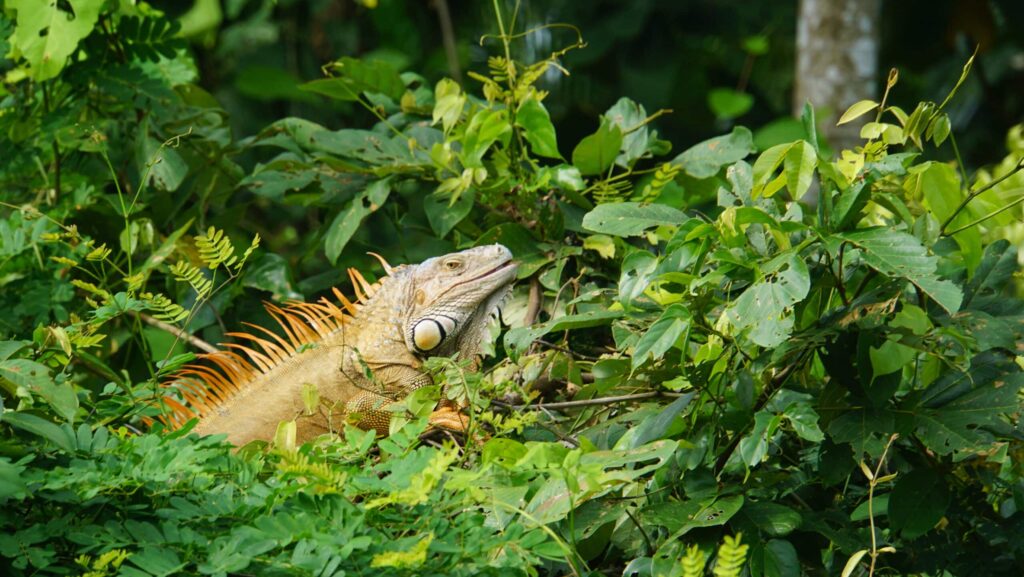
{"x": 360, "y": 356}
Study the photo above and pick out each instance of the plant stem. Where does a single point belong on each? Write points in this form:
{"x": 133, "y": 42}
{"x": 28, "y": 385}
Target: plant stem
{"x": 1019, "y": 166}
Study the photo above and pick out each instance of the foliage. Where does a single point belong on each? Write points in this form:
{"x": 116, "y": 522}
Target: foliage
{"x": 716, "y": 339}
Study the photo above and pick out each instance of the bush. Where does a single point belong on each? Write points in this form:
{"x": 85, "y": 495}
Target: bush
{"x": 818, "y": 355}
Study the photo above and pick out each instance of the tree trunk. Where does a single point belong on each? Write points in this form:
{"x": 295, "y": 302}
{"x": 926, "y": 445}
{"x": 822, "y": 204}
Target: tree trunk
{"x": 836, "y": 62}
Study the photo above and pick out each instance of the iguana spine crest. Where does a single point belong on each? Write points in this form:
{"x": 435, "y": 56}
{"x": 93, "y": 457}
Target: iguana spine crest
{"x": 224, "y": 374}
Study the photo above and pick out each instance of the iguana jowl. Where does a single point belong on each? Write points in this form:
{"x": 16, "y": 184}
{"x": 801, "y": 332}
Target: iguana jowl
{"x": 360, "y": 356}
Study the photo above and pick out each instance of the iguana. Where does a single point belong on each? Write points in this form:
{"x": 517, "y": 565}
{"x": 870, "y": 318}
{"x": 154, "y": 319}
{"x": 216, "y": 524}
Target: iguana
{"x": 360, "y": 356}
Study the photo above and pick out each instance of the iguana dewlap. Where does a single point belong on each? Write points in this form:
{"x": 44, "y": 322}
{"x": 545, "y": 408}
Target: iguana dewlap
{"x": 359, "y": 356}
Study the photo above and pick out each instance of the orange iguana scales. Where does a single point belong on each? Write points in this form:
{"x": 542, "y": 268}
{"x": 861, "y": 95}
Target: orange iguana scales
{"x": 360, "y": 356}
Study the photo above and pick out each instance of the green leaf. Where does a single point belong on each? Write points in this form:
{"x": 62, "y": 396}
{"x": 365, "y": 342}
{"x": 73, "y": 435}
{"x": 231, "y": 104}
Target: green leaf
{"x": 630, "y": 117}
{"x": 347, "y": 222}
{"x": 899, "y": 254}
{"x": 631, "y": 218}
{"x": 958, "y": 410}
{"x": 766, "y": 306}
{"x": 538, "y": 130}
{"x": 774, "y": 519}
{"x": 595, "y": 153}
{"x": 448, "y": 103}
{"x": 939, "y": 185}
{"x": 167, "y": 168}
{"x": 662, "y": 335}
{"x": 705, "y": 159}
{"x": 918, "y": 502}
{"x": 47, "y": 34}
{"x": 857, "y": 110}
{"x": 11, "y": 482}
{"x": 799, "y": 165}
{"x": 518, "y": 339}
{"x": 729, "y": 103}
{"x": 485, "y": 128}
{"x": 780, "y": 559}
{"x": 753, "y": 447}
{"x": 443, "y": 215}
{"x": 63, "y": 439}
{"x": 683, "y": 517}
{"x": 655, "y": 427}
{"x": 355, "y": 77}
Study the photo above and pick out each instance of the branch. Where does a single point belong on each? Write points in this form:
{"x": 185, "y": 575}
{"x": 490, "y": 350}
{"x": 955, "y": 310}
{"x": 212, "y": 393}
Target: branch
{"x": 166, "y": 327}
{"x": 587, "y": 402}
{"x": 976, "y": 194}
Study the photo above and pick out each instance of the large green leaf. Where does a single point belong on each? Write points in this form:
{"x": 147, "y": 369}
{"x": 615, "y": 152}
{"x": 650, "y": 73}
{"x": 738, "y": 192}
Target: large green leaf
{"x": 899, "y": 254}
{"x": 518, "y": 339}
{"x": 48, "y": 33}
{"x": 918, "y": 502}
{"x": 348, "y": 220}
{"x": 629, "y": 117}
{"x": 939, "y": 185}
{"x": 959, "y": 410}
{"x": 662, "y": 335}
{"x": 595, "y": 153}
{"x": 631, "y": 218}
{"x": 537, "y": 128}
{"x": 705, "y": 159}
{"x": 765, "y": 308}
{"x": 355, "y": 77}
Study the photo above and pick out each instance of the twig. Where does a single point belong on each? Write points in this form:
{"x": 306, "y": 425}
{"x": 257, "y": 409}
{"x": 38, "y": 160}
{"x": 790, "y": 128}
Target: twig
{"x": 587, "y": 402}
{"x": 448, "y": 39}
{"x": 535, "y": 302}
{"x": 166, "y": 327}
{"x": 975, "y": 194}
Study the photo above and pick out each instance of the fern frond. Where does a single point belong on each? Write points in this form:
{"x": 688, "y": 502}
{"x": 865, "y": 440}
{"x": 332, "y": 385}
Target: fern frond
{"x": 693, "y": 562}
{"x": 245, "y": 255}
{"x": 323, "y": 477}
{"x": 607, "y": 192}
{"x": 215, "y": 249}
{"x": 731, "y": 557}
{"x": 665, "y": 174}
{"x": 164, "y": 308}
{"x": 185, "y": 272}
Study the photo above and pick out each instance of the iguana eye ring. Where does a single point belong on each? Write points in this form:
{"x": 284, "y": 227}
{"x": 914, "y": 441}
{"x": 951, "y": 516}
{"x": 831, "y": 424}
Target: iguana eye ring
{"x": 428, "y": 334}
{"x": 453, "y": 264}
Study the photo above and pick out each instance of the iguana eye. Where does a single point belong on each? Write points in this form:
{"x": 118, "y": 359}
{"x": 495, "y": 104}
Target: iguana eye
{"x": 453, "y": 264}
{"x": 428, "y": 334}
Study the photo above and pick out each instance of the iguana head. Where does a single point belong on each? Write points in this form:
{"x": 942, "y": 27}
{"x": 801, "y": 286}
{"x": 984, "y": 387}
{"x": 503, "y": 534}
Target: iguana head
{"x": 453, "y": 297}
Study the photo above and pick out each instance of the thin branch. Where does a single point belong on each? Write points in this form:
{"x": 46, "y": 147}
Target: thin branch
{"x": 169, "y": 328}
{"x": 448, "y": 39}
{"x": 977, "y": 193}
{"x": 587, "y": 402}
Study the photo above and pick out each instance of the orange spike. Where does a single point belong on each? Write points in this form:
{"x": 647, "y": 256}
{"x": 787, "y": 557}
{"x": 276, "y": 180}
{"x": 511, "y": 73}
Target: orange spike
{"x": 358, "y": 283}
{"x": 280, "y": 316}
{"x": 349, "y": 306}
{"x": 258, "y": 358}
{"x": 383, "y": 262}
{"x": 270, "y": 350}
{"x": 301, "y": 323}
{"x": 284, "y": 345}
{"x": 179, "y": 413}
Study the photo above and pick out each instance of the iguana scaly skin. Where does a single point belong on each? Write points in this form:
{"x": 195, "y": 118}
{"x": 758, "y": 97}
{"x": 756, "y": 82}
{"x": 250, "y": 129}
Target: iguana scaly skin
{"x": 360, "y": 356}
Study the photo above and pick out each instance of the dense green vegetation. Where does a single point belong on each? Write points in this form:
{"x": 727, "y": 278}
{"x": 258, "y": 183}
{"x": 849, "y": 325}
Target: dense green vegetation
{"x": 704, "y": 373}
